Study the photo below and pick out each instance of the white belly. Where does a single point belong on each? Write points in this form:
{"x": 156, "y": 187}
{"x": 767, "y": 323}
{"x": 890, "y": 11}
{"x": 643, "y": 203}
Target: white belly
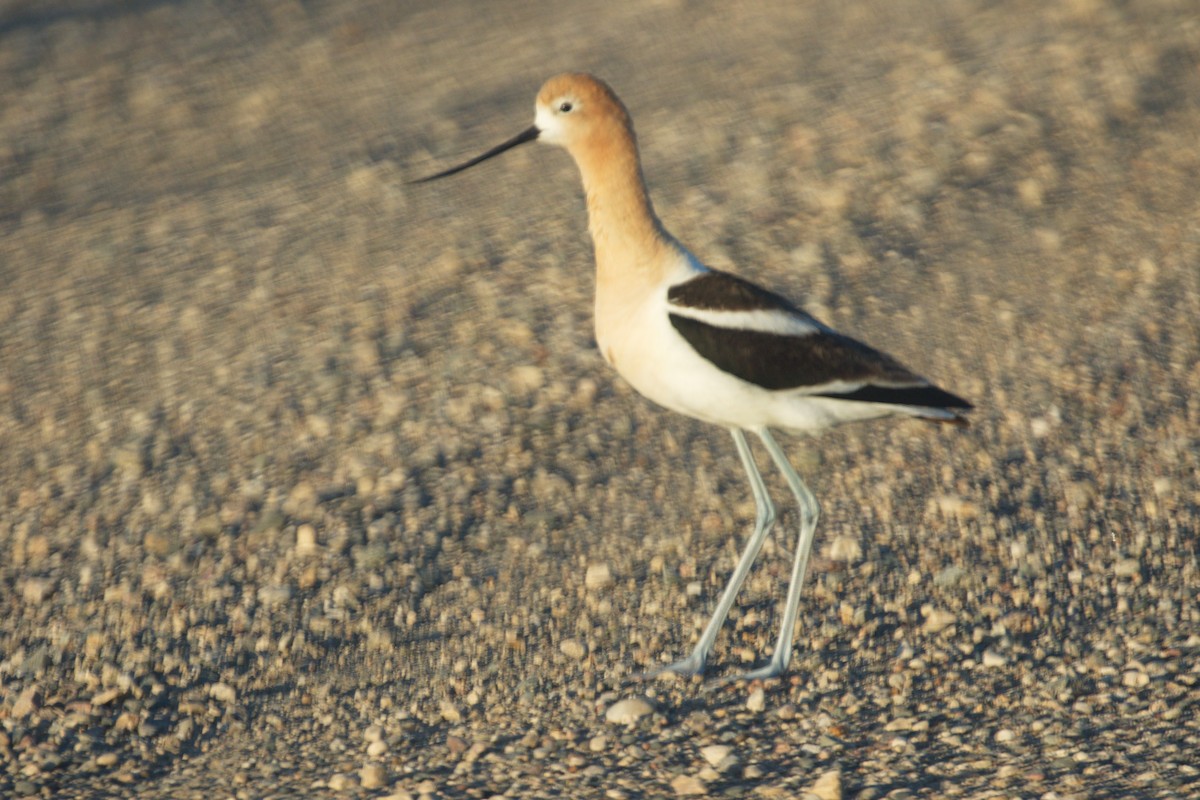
{"x": 643, "y": 346}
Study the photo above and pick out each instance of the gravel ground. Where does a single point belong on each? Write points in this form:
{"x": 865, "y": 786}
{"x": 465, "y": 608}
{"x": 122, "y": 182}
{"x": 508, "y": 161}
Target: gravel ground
{"x": 312, "y": 482}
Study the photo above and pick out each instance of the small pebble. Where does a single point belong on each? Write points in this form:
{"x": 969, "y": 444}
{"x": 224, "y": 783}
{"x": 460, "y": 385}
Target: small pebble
{"x": 688, "y": 785}
{"x": 844, "y": 548}
{"x": 36, "y": 590}
{"x": 1127, "y": 568}
{"x": 223, "y": 693}
{"x": 598, "y": 576}
{"x": 274, "y": 595}
{"x": 450, "y": 712}
{"x": 1135, "y": 679}
{"x": 306, "y": 540}
{"x": 948, "y": 576}
{"x": 185, "y": 728}
{"x": 828, "y": 786}
{"x": 28, "y": 701}
{"x": 714, "y": 754}
{"x": 148, "y": 728}
{"x": 107, "y": 696}
{"x": 573, "y": 648}
{"x": 373, "y": 775}
{"x": 955, "y": 507}
{"x": 937, "y": 620}
{"x": 993, "y": 659}
{"x": 526, "y": 379}
{"x": 628, "y": 711}
{"x": 340, "y": 782}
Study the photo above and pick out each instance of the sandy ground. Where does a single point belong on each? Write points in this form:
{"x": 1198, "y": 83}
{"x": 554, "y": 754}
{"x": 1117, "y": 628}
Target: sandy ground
{"x": 312, "y": 482}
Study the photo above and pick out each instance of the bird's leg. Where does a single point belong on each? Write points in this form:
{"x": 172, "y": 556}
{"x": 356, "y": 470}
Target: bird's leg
{"x": 808, "y": 526}
{"x": 764, "y": 517}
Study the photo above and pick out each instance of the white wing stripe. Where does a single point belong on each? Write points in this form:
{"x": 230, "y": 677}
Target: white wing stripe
{"x": 849, "y": 387}
{"x": 775, "y": 321}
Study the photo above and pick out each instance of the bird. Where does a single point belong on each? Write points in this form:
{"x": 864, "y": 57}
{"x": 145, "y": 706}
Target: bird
{"x": 709, "y": 344}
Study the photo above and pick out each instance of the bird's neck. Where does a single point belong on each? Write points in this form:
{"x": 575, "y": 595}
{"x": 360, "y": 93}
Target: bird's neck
{"x": 630, "y": 242}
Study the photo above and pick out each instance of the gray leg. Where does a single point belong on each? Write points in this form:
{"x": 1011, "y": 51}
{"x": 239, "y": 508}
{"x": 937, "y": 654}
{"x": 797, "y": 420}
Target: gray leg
{"x": 764, "y": 517}
{"x": 808, "y": 527}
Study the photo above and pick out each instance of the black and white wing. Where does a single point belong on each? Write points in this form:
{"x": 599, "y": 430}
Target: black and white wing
{"x": 762, "y": 338}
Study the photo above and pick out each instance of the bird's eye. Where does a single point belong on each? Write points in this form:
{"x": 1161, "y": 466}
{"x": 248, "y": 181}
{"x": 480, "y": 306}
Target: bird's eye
{"x": 565, "y": 106}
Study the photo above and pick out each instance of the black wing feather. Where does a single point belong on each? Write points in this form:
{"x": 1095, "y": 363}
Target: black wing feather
{"x": 778, "y": 361}
{"x": 720, "y": 291}
{"x": 928, "y": 396}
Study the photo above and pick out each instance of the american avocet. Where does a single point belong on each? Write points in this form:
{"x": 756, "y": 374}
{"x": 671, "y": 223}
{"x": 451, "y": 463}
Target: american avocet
{"x": 709, "y": 344}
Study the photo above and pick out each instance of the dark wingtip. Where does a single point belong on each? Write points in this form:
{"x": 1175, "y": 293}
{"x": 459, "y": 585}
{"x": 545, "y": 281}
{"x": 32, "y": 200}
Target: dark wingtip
{"x": 953, "y": 404}
{"x": 952, "y": 408}
{"x": 921, "y": 395}
{"x": 956, "y": 406}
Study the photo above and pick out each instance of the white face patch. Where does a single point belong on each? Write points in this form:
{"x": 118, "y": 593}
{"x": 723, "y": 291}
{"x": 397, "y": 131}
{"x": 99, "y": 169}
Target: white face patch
{"x": 549, "y": 124}
{"x": 552, "y": 122}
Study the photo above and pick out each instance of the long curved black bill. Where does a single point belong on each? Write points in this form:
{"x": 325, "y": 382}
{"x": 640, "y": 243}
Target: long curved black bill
{"x": 524, "y": 136}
